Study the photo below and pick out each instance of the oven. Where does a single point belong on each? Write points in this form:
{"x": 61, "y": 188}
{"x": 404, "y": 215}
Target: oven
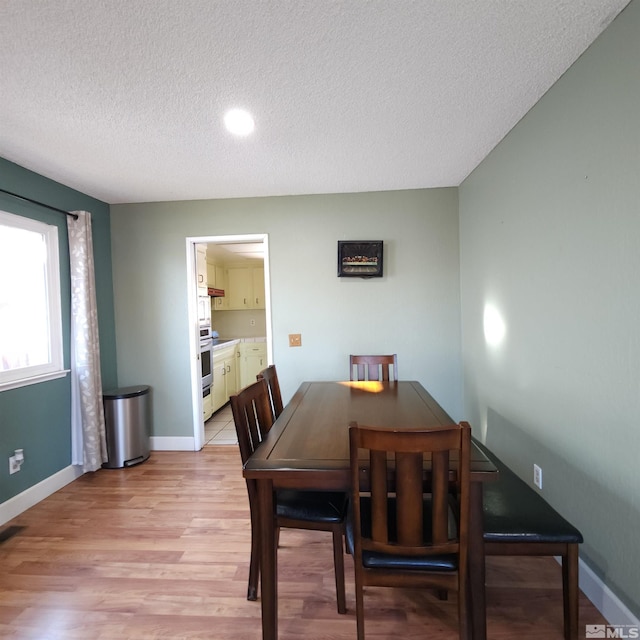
{"x": 206, "y": 356}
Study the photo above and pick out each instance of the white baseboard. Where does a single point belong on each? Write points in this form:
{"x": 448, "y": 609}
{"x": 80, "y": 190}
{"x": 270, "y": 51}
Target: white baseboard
{"x": 160, "y": 443}
{"x": 608, "y": 604}
{"x": 31, "y": 496}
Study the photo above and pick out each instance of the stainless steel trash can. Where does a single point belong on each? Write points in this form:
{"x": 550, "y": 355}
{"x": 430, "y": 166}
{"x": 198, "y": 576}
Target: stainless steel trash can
{"x": 127, "y": 416}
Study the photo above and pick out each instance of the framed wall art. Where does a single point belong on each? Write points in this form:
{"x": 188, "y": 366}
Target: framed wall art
{"x": 359, "y": 258}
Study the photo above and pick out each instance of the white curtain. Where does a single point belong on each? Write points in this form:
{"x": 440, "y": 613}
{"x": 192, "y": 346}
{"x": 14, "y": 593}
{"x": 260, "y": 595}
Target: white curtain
{"x": 88, "y": 441}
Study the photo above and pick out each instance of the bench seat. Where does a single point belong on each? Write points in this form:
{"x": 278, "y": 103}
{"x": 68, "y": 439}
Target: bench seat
{"x": 519, "y": 521}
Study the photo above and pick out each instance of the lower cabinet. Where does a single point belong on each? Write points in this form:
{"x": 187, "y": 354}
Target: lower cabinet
{"x": 225, "y": 377}
{"x": 234, "y": 368}
{"x": 253, "y": 359}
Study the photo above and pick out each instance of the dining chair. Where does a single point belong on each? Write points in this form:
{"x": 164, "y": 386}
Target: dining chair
{"x": 373, "y": 367}
{"x": 271, "y": 376}
{"x": 408, "y": 520}
{"x": 317, "y": 510}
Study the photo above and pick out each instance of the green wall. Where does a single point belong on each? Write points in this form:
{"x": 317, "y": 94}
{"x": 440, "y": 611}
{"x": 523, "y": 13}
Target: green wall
{"x": 37, "y": 418}
{"x": 412, "y": 311}
{"x": 550, "y": 236}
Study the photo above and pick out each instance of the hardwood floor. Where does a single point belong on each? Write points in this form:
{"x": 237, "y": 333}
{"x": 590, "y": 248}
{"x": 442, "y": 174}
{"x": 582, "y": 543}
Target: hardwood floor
{"x": 161, "y": 550}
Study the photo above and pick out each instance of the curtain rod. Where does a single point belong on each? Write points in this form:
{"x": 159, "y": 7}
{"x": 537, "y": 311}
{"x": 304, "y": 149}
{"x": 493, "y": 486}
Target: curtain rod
{"x": 42, "y": 204}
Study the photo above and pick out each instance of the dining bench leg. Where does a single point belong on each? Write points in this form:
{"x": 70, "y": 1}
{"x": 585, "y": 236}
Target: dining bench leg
{"x": 570, "y": 590}
{"x": 477, "y": 601}
{"x": 268, "y": 561}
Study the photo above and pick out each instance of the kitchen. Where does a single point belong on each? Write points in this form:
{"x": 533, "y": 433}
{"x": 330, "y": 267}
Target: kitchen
{"x": 232, "y": 319}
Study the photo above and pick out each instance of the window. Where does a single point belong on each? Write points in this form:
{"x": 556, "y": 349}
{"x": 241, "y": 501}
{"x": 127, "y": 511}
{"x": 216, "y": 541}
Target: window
{"x": 30, "y": 317}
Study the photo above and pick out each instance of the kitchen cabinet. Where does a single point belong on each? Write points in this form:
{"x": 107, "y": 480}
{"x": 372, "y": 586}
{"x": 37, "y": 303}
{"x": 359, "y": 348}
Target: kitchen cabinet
{"x": 225, "y": 377}
{"x": 211, "y": 274}
{"x": 253, "y": 359}
{"x": 217, "y": 280}
{"x": 201, "y": 269}
{"x": 220, "y": 304}
{"x": 245, "y": 287}
{"x": 258, "y": 287}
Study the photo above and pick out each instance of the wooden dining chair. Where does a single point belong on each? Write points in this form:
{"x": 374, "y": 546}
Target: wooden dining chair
{"x": 373, "y": 367}
{"x": 270, "y": 375}
{"x": 408, "y": 519}
{"x": 318, "y": 510}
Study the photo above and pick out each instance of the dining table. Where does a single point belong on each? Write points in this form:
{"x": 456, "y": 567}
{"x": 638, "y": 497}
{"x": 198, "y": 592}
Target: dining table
{"x": 308, "y": 448}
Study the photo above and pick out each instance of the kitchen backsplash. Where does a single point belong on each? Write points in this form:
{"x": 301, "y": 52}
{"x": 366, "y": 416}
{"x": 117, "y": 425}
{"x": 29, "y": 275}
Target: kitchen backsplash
{"x": 238, "y": 324}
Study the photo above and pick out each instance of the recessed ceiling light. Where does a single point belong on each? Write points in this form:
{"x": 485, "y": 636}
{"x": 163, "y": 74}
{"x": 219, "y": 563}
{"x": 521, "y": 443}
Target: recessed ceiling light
{"x": 239, "y": 122}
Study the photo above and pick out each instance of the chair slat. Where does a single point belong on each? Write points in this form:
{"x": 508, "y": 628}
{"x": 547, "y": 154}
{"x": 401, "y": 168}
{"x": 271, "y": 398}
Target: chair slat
{"x": 440, "y": 496}
{"x": 379, "y": 516}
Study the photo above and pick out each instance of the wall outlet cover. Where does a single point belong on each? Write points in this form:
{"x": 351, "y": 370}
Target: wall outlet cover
{"x": 295, "y": 340}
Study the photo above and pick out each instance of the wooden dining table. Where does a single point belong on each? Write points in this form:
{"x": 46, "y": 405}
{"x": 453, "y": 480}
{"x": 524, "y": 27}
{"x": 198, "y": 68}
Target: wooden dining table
{"x": 308, "y": 448}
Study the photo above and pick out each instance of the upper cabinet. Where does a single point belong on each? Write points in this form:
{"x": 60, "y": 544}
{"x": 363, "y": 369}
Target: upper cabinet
{"x": 244, "y": 288}
{"x": 211, "y": 275}
{"x": 201, "y": 269}
{"x": 217, "y": 280}
{"x": 220, "y": 304}
{"x": 258, "y": 287}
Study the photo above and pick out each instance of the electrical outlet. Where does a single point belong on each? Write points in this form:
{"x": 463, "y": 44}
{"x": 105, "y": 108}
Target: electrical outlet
{"x": 537, "y": 476}
{"x": 252, "y": 322}
{"x": 14, "y": 465}
{"x": 295, "y": 340}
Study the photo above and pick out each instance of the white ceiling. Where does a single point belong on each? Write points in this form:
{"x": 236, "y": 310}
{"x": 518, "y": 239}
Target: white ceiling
{"x": 124, "y": 99}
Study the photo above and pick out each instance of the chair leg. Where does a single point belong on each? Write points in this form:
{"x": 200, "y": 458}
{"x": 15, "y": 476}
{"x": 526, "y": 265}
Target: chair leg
{"x": 570, "y": 592}
{"x": 464, "y": 617}
{"x": 338, "y": 566}
{"x": 359, "y": 606}
{"x": 254, "y": 563}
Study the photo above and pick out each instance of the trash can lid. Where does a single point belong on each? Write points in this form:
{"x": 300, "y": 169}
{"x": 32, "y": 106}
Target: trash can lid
{"x": 126, "y": 392}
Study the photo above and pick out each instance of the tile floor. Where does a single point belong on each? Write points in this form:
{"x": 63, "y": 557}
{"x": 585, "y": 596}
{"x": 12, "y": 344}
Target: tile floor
{"x": 219, "y": 428}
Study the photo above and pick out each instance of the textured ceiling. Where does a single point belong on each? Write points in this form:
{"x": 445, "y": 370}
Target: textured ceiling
{"x": 124, "y": 99}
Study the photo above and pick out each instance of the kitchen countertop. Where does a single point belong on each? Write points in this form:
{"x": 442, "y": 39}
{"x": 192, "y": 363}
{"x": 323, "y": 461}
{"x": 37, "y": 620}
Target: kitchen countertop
{"x": 222, "y": 343}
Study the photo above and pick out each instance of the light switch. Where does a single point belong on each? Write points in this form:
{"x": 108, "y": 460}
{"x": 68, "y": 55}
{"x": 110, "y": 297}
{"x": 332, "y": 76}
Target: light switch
{"x": 295, "y": 340}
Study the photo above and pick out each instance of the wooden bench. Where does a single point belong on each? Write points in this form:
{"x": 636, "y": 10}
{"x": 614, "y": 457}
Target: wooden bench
{"x": 518, "y": 521}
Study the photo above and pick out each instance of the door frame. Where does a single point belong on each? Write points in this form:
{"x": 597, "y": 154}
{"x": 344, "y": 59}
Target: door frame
{"x": 193, "y": 325}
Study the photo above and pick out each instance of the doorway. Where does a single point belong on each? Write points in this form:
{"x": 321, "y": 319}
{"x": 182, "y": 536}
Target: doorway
{"x": 232, "y": 261}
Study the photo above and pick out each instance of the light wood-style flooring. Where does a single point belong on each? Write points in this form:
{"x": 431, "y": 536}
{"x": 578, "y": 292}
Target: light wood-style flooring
{"x": 161, "y": 550}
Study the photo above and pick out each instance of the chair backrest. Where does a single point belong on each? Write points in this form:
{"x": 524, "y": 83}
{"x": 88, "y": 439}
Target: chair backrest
{"x": 252, "y": 417}
{"x": 270, "y": 375}
{"x": 373, "y": 367}
{"x": 423, "y": 461}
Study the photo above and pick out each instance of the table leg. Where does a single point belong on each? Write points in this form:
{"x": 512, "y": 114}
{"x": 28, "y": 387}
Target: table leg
{"x": 268, "y": 561}
{"x": 477, "y": 601}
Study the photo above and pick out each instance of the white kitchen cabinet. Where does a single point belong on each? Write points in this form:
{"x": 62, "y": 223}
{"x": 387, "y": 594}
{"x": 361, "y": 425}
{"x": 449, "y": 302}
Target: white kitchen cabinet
{"x": 218, "y": 389}
{"x": 211, "y": 274}
{"x": 258, "y": 287}
{"x": 245, "y": 288}
{"x": 201, "y": 269}
{"x": 230, "y": 376}
{"x": 220, "y": 304}
{"x": 253, "y": 359}
{"x": 239, "y": 287}
{"x": 225, "y": 380}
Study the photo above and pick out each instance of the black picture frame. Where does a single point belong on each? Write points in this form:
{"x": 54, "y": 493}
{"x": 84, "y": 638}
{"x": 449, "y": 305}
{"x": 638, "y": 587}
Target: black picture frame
{"x": 360, "y": 258}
